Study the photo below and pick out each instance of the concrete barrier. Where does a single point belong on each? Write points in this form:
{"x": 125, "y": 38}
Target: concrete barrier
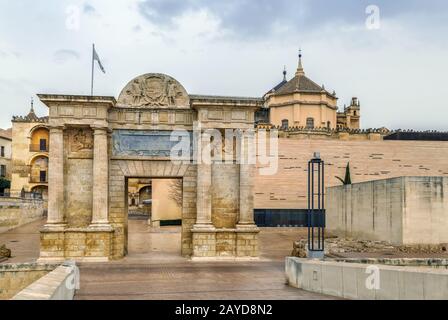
{"x": 59, "y": 284}
{"x": 367, "y": 282}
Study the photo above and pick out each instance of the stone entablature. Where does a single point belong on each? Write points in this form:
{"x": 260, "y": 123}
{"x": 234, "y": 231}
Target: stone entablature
{"x": 99, "y": 143}
{"x": 155, "y": 118}
{"x": 225, "y": 112}
{"x": 77, "y": 110}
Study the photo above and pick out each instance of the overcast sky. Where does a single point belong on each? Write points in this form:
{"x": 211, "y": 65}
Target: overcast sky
{"x": 233, "y": 47}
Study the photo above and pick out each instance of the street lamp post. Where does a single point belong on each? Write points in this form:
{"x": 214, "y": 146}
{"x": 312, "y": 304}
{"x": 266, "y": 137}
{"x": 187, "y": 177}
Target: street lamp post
{"x": 316, "y": 207}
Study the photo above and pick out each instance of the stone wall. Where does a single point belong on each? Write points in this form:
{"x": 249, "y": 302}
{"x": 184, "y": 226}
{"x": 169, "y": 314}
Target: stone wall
{"x": 369, "y": 160}
{"x": 78, "y": 194}
{"x": 15, "y": 277}
{"x": 403, "y": 211}
{"x": 164, "y": 207}
{"x": 15, "y": 212}
{"x": 225, "y": 194}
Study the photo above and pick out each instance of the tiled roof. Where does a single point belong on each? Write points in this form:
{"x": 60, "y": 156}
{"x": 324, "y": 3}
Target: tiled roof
{"x": 7, "y": 134}
{"x": 298, "y": 83}
{"x": 277, "y": 87}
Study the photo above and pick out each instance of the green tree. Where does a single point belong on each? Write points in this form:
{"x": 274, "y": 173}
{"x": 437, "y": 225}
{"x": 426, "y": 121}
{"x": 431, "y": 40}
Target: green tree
{"x": 347, "y": 180}
{"x": 4, "y": 184}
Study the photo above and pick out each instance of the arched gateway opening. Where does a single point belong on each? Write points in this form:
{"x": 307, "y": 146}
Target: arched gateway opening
{"x": 123, "y": 170}
{"x": 99, "y": 144}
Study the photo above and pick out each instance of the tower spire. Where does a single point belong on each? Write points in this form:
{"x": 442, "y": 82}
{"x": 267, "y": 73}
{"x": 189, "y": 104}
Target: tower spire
{"x": 300, "y": 71}
{"x": 284, "y": 73}
{"x": 32, "y": 105}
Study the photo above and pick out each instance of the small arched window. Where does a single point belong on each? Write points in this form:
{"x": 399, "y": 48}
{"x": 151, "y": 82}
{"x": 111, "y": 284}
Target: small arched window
{"x": 285, "y": 124}
{"x": 310, "y": 122}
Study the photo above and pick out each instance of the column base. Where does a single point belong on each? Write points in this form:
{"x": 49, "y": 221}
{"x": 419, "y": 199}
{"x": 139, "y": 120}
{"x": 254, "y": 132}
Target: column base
{"x": 54, "y": 227}
{"x": 247, "y": 240}
{"x": 102, "y": 227}
{"x": 203, "y": 228}
{"x": 250, "y": 227}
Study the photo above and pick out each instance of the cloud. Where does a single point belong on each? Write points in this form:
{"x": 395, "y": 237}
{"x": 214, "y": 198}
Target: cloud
{"x": 89, "y": 9}
{"x": 137, "y": 28}
{"x": 235, "y": 47}
{"x": 65, "y": 55}
{"x": 261, "y": 18}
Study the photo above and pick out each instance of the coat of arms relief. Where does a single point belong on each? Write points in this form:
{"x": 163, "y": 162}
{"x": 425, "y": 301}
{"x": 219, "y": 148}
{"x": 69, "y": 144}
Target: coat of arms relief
{"x": 153, "y": 90}
{"x": 81, "y": 140}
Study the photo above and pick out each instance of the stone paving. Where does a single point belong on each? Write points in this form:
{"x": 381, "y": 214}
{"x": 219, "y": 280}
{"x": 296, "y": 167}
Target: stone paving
{"x": 154, "y": 268}
{"x": 23, "y": 242}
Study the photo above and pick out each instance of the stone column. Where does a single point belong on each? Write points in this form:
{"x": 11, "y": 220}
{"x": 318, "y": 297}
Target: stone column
{"x": 55, "y": 219}
{"x": 100, "y": 208}
{"x": 204, "y": 185}
{"x": 247, "y": 170}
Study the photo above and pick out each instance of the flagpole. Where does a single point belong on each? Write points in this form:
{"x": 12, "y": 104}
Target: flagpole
{"x": 93, "y": 70}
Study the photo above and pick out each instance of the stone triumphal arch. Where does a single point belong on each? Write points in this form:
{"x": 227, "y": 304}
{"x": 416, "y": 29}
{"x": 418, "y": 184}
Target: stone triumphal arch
{"x": 97, "y": 143}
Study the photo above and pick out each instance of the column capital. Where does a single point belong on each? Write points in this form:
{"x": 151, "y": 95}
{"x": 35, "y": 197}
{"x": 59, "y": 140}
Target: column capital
{"x": 56, "y": 127}
{"x": 100, "y": 129}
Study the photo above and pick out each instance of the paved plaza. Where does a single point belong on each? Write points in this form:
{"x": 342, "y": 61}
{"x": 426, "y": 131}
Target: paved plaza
{"x": 154, "y": 268}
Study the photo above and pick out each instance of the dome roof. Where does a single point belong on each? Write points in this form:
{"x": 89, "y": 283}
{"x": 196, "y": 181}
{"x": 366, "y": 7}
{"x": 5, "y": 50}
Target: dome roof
{"x": 300, "y": 83}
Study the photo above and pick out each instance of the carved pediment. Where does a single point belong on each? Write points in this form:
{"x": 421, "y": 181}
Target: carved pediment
{"x": 154, "y": 90}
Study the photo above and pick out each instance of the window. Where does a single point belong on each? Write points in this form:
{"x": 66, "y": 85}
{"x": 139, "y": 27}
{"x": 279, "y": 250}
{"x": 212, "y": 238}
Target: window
{"x": 43, "y": 145}
{"x": 2, "y": 171}
{"x": 285, "y": 124}
{"x": 328, "y": 124}
{"x": 43, "y": 176}
{"x": 310, "y": 122}
{"x": 2, "y": 152}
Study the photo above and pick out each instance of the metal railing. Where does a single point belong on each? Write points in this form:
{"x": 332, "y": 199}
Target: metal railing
{"x": 38, "y": 180}
{"x": 31, "y": 195}
{"x": 39, "y": 148}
